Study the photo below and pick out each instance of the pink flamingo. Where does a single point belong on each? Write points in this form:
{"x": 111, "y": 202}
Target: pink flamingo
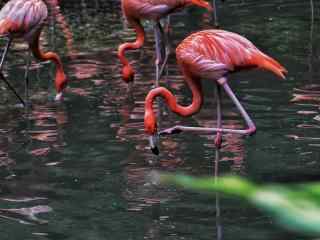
{"x": 215, "y": 14}
{"x": 135, "y": 11}
{"x": 212, "y": 55}
{"x": 25, "y": 19}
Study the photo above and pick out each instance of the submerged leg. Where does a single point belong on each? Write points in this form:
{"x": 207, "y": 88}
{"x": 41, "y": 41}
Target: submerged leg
{"x": 4, "y": 55}
{"x": 248, "y": 131}
{"x": 218, "y": 138}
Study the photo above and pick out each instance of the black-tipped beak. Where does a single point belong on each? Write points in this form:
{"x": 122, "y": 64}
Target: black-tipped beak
{"x": 153, "y": 144}
{"x": 155, "y": 150}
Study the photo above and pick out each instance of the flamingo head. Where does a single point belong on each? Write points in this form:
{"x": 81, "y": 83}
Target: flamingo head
{"x": 203, "y": 4}
{"x": 60, "y": 84}
{"x": 127, "y": 73}
{"x": 150, "y": 123}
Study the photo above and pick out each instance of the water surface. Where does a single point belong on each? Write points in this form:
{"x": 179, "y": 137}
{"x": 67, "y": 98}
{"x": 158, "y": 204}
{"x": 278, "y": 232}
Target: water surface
{"x": 77, "y": 170}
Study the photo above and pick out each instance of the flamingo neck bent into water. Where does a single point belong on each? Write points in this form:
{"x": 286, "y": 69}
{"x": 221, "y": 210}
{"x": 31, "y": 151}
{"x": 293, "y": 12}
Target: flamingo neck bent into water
{"x": 60, "y": 79}
{"x": 197, "y": 100}
{"x": 127, "y": 70}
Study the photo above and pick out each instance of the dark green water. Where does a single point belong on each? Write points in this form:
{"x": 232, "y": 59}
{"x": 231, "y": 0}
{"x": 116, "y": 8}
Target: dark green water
{"x": 83, "y": 164}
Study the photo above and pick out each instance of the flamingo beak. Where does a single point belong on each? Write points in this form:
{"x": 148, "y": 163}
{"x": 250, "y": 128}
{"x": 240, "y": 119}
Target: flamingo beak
{"x": 202, "y": 3}
{"x": 59, "y": 97}
{"x": 153, "y": 139}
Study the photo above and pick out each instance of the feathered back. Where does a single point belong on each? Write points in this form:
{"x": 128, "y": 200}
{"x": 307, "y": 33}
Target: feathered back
{"x": 218, "y": 49}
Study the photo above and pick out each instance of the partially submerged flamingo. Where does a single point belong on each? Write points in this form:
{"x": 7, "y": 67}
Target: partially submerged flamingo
{"x": 211, "y": 55}
{"x": 137, "y": 10}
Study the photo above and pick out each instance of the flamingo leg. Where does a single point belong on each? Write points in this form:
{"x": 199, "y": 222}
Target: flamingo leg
{"x": 5, "y": 52}
{"x": 215, "y": 14}
{"x": 218, "y": 138}
{"x": 26, "y": 77}
{"x": 160, "y": 49}
{"x": 167, "y": 25}
{"x": 248, "y": 131}
{"x": 166, "y": 40}
{"x": 4, "y": 55}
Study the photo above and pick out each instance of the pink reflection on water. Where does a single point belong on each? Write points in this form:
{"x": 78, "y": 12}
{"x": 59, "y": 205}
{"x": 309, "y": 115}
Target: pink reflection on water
{"x": 48, "y": 122}
{"x": 46, "y": 135}
{"x": 79, "y": 91}
{"x": 83, "y": 71}
{"x": 40, "y": 152}
{"x": 311, "y": 97}
{"x": 232, "y": 148}
{"x": 307, "y": 99}
{"x": 26, "y": 215}
{"x": 309, "y": 93}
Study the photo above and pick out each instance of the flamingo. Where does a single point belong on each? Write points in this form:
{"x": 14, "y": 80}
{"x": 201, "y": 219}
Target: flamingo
{"x": 137, "y": 10}
{"x": 215, "y": 14}
{"x": 25, "y": 19}
{"x": 212, "y": 55}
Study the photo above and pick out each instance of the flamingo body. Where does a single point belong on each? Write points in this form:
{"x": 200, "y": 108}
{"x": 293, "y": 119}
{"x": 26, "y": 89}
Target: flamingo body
{"x": 22, "y": 18}
{"x": 25, "y": 19}
{"x": 137, "y": 10}
{"x": 212, "y": 55}
{"x": 155, "y": 9}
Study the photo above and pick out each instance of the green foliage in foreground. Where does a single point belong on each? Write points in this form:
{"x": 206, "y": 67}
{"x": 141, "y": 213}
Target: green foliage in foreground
{"x": 295, "y": 207}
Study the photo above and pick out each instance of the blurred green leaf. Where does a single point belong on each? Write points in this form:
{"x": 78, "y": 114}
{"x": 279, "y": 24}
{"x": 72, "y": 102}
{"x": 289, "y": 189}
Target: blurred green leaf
{"x": 295, "y": 207}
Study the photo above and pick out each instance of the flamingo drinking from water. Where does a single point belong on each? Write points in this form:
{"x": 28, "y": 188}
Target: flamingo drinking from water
{"x": 137, "y": 10}
{"x": 211, "y": 55}
{"x": 25, "y": 19}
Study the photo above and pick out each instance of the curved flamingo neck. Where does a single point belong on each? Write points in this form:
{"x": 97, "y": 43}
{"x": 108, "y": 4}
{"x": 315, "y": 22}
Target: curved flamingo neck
{"x": 194, "y": 107}
{"x": 132, "y": 45}
{"x": 60, "y": 79}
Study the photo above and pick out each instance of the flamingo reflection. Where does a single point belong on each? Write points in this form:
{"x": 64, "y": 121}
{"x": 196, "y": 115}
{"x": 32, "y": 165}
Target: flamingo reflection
{"x": 307, "y": 97}
{"x": 47, "y": 131}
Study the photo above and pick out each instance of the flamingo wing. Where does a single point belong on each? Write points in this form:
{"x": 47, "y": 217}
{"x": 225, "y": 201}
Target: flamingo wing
{"x": 154, "y": 12}
{"x": 202, "y": 58}
{"x": 203, "y": 67}
{"x": 218, "y": 52}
